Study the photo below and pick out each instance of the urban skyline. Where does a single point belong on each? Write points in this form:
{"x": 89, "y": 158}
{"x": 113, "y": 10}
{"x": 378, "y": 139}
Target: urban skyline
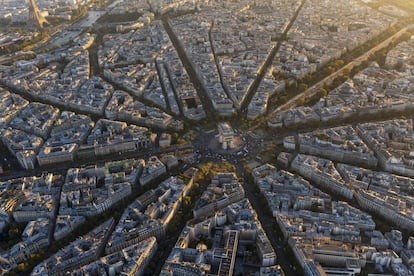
{"x": 206, "y": 137}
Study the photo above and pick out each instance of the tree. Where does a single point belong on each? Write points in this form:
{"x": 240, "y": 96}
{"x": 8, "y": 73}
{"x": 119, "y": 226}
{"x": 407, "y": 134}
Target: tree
{"x": 329, "y": 70}
{"x": 187, "y": 200}
{"x": 13, "y": 232}
{"x": 346, "y": 71}
{"x": 283, "y": 99}
{"x": 301, "y": 101}
{"x": 339, "y": 63}
{"x": 323, "y": 92}
{"x": 303, "y": 87}
{"x": 22, "y": 266}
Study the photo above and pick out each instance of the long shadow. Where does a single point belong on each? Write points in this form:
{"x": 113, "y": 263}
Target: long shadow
{"x": 265, "y": 66}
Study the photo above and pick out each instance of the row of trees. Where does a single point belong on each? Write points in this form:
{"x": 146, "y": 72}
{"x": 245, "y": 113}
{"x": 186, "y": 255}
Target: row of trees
{"x": 300, "y": 85}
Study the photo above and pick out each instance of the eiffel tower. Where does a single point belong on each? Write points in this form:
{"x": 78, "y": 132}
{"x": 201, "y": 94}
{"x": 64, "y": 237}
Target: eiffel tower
{"x": 35, "y": 17}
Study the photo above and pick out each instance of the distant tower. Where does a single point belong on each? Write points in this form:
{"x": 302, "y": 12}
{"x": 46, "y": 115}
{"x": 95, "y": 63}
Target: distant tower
{"x": 35, "y": 17}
